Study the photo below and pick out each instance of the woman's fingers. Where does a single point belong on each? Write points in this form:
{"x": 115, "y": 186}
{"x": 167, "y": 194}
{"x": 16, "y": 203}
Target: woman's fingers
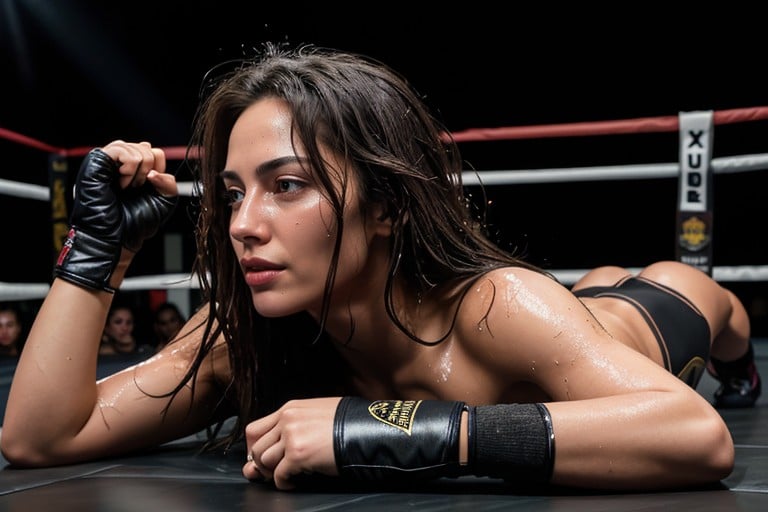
{"x": 135, "y": 162}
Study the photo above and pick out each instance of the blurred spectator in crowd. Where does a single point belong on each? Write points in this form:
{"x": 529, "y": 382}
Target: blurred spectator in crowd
{"x": 10, "y": 331}
{"x": 168, "y": 320}
{"x": 118, "y": 337}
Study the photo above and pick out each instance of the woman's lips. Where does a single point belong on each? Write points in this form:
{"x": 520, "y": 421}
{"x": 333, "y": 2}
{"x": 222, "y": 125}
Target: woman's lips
{"x": 259, "y": 272}
{"x": 255, "y": 277}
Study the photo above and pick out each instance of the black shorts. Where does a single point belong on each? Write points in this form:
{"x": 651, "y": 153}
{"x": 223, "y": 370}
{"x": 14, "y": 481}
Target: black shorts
{"x": 680, "y": 329}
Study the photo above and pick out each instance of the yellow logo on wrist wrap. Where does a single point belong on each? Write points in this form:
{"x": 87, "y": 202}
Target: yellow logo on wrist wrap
{"x": 397, "y": 413}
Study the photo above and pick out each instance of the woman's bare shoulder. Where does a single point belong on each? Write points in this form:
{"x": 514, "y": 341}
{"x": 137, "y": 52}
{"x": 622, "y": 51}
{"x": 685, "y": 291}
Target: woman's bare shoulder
{"x": 513, "y": 317}
{"x": 510, "y": 292}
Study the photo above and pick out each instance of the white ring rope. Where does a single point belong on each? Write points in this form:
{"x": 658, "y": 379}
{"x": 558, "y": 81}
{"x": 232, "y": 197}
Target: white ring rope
{"x": 745, "y": 273}
{"x": 29, "y": 291}
{"x": 743, "y": 163}
{"x": 26, "y": 190}
{"x": 41, "y": 193}
{"x": 722, "y": 165}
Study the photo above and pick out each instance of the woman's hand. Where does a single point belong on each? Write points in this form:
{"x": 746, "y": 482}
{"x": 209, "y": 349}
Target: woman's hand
{"x": 139, "y": 162}
{"x": 294, "y": 440}
{"x": 149, "y": 194}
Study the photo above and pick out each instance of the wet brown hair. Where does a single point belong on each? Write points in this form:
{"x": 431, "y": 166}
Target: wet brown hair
{"x": 405, "y": 162}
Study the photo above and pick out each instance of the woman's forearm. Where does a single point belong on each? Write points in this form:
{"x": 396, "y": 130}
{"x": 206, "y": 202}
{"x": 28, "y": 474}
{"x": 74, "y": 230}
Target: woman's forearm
{"x": 649, "y": 440}
{"x": 54, "y": 391}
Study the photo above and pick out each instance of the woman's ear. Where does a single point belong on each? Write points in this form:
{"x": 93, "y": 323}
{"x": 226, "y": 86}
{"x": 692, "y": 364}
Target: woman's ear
{"x": 381, "y": 219}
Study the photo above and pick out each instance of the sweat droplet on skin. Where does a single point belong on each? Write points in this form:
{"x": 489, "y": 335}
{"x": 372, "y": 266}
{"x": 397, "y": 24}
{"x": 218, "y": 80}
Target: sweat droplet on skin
{"x": 109, "y": 402}
{"x": 446, "y": 365}
{"x": 519, "y": 297}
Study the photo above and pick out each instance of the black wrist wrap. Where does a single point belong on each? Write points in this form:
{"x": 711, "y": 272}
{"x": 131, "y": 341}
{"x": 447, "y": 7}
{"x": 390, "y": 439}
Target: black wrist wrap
{"x": 91, "y": 251}
{"x": 87, "y": 261}
{"x": 397, "y": 439}
{"x": 515, "y": 442}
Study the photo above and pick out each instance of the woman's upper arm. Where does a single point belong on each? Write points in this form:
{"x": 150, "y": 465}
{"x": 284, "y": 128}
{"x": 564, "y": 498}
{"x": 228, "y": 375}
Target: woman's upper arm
{"x": 134, "y": 407}
{"x": 619, "y": 419}
{"x": 537, "y": 331}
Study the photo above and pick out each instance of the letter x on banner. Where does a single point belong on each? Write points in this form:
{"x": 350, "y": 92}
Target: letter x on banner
{"x": 694, "y": 212}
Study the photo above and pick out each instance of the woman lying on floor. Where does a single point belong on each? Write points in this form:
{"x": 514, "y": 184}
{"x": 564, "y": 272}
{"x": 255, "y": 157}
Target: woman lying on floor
{"x": 359, "y": 323}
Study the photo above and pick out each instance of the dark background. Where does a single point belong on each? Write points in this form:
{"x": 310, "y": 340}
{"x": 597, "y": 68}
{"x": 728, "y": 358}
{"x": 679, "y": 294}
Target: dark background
{"x": 82, "y": 73}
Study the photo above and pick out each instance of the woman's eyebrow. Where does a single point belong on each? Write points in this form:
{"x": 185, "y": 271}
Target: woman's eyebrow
{"x": 266, "y": 167}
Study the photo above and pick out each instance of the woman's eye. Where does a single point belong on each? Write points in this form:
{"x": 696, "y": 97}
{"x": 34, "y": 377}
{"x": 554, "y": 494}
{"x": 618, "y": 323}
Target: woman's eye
{"x": 233, "y": 196}
{"x": 285, "y": 185}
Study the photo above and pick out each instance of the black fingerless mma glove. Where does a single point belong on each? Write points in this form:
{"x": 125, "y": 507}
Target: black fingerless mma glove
{"x": 145, "y": 210}
{"x": 402, "y": 440}
{"x": 105, "y": 219}
{"x": 92, "y": 248}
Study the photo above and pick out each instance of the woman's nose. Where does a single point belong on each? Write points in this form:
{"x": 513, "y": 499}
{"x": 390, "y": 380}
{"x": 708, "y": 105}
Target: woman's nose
{"x": 249, "y": 220}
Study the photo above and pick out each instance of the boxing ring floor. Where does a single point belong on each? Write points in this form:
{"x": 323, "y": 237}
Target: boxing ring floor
{"x": 175, "y": 477}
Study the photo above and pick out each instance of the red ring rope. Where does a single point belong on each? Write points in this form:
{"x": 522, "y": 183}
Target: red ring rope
{"x": 624, "y": 126}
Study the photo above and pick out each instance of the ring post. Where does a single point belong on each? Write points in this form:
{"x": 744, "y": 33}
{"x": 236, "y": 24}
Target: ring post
{"x": 57, "y": 180}
{"x": 695, "y": 212}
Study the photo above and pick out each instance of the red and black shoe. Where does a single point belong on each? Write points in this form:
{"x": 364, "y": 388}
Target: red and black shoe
{"x": 738, "y": 393}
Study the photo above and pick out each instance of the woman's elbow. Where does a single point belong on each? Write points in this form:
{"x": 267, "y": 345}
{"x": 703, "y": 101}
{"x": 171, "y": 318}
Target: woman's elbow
{"x": 20, "y": 451}
{"x": 717, "y": 454}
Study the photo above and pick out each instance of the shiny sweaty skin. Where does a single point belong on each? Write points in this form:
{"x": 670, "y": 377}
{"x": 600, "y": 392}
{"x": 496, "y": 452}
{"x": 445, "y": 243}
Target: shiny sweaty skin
{"x": 518, "y": 335}
{"x": 679, "y": 328}
{"x": 620, "y": 419}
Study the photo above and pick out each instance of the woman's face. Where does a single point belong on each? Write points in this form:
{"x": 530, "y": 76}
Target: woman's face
{"x": 281, "y": 227}
{"x": 10, "y": 329}
{"x": 168, "y": 323}
{"x": 120, "y": 324}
